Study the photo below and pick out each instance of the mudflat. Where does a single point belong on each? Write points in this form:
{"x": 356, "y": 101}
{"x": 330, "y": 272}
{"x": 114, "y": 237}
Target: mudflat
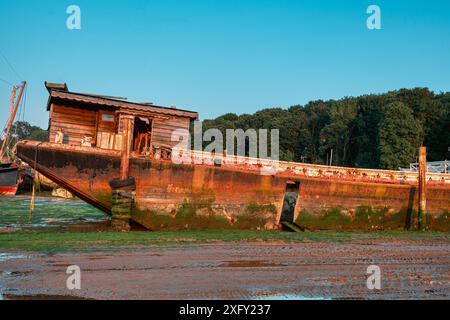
{"x": 410, "y": 269}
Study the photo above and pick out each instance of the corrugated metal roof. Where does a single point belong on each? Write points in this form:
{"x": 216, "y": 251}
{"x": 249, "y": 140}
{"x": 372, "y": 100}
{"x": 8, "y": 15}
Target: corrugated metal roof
{"x": 60, "y": 92}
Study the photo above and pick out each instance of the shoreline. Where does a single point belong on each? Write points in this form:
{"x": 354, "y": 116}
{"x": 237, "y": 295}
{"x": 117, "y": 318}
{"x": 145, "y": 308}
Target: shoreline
{"x": 98, "y": 236}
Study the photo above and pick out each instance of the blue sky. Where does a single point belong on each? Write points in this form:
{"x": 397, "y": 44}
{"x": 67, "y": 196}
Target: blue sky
{"x": 218, "y": 56}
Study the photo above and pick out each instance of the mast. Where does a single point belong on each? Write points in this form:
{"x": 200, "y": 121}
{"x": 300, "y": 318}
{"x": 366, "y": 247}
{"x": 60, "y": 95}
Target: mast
{"x": 12, "y": 115}
{"x": 13, "y": 98}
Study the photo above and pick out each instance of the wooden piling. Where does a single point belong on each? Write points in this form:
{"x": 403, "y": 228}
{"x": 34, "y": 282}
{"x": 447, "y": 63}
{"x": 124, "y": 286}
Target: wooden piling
{"x": 422, "y": 187}
{"x": 121, "y": 205}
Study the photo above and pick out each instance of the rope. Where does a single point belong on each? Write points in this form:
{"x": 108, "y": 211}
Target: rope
{"x": 24, "y": 104}
{"x": 21, "y": 108}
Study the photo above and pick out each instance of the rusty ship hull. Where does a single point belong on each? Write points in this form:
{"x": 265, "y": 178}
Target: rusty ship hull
{"x": 172, "y": 196}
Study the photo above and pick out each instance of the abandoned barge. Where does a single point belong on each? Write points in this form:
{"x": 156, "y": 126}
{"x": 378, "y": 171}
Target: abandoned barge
{"x": 116, "y": 156}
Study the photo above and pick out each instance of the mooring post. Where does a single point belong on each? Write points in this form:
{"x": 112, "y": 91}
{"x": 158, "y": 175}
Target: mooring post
{"x": 122, "y": 201}
{"x": 422, "y": 187}
{"x": 123, "y": 189}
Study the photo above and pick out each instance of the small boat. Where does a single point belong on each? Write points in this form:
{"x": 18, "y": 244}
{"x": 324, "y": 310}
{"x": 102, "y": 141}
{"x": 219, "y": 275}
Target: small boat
{"x": 9, "y": 174}
{"x": 9, "y": 171}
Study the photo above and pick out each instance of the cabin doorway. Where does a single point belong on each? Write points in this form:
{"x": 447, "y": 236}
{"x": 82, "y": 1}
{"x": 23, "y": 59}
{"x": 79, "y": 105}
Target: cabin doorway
{"x": 142, "y": 137}
{"x": 288, "y": 210}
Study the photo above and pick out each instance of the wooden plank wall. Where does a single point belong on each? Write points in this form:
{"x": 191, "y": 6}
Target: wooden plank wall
{"x": 76, "y": 123}
{"x": 162, "y": 130}
{"x": 106, "y": 131}
{"x": 106, "y": 126}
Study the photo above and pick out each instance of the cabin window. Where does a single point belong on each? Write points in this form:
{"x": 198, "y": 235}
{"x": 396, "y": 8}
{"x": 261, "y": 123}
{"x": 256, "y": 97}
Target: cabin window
{"x": 107, "y": 117}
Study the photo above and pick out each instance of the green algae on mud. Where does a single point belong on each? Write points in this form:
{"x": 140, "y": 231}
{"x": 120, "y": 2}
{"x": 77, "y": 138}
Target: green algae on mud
{"x": 45, "y": 241}
{"x": 49, "y": 212}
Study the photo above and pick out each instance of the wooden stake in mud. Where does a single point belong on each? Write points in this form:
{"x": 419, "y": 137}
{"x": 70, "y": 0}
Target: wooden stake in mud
{"x": 127, "y": 132}
{"x": 32, "y": 201}
{"x": 422, "y": 186}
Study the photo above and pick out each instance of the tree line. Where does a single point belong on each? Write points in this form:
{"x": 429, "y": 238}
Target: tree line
{"x": 370, "y": 131}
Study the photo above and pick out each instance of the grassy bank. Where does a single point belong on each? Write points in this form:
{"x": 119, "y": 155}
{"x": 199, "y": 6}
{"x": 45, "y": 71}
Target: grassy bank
{"x": 46, "y": 241}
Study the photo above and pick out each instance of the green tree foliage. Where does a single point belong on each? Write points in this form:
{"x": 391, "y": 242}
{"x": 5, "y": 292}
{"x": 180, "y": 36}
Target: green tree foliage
{"x": 400, "y": 136}
{"x": 336, "y": 135}
{"x": 357, "y": 129}
{"x": 22, "y": 130}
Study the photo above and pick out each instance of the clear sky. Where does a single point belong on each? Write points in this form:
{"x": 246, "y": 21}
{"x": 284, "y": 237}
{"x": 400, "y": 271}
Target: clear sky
{"x": 224, "y": 56}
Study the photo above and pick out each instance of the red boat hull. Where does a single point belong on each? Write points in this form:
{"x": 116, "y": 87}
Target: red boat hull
{"x": 8, "y": 180}
{"x": 8, "y": 191}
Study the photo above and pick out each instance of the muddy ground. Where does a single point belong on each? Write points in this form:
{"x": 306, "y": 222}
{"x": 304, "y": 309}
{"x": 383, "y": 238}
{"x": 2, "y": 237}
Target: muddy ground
{"x": 312, "y": 270}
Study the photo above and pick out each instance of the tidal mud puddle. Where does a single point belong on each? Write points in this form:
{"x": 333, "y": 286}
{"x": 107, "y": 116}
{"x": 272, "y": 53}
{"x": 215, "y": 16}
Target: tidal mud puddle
{"x": 42, "y": 297}
{"x": 251, "y": 264}
{"x": 4, "y": 273}
{"x": 288, "y": 297}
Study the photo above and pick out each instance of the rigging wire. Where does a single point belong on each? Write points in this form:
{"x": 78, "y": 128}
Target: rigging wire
{"x": 7, "y": 82}
{"x": 2, "y": 133}
{"x": 6, "y": 123}
{"x": 21, "y": 112}
{"x": 22, "y": 109}
{"x": 11, "y": 67}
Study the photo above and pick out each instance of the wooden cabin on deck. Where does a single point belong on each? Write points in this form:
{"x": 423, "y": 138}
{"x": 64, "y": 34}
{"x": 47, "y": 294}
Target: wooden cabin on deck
{"x": 91, "y": 120}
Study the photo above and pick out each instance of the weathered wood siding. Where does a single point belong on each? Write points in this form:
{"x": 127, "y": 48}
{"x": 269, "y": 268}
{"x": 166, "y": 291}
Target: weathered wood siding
{"x": 80, "y": 122}
{"x": 106, "y": 126}
{"x": 163, "y": 128}
{"x": 76, "y": 123}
